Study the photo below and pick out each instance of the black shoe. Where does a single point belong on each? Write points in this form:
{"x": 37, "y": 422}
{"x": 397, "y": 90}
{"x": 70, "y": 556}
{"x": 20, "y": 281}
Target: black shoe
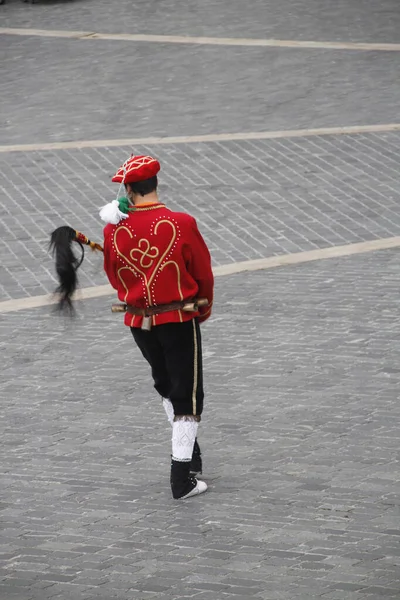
{"x": 196, "y": 464}
{"x": 183, "y": 485}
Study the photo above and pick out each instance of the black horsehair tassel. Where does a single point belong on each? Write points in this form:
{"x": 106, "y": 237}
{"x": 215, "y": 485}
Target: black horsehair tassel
{"x": 67, "y": 265}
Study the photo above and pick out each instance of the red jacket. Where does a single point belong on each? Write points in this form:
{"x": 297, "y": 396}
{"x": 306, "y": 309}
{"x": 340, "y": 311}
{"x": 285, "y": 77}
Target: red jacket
{"x": 157, "y": 256}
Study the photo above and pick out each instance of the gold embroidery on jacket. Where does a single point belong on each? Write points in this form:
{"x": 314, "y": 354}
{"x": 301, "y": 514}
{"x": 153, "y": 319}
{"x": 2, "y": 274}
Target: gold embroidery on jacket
{"x": 178, "y": 273}
{"x": 122, "y": 280}
{"x": 145, "y": 208}
{"x": 133, "y": 268}
{"x": 148, "y": 254}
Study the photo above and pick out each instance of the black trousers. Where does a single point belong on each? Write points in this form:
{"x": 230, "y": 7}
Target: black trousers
{"x": 174, "y": 352}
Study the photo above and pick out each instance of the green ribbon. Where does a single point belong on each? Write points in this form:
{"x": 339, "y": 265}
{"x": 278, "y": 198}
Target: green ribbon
{"x": 124, "y": 205}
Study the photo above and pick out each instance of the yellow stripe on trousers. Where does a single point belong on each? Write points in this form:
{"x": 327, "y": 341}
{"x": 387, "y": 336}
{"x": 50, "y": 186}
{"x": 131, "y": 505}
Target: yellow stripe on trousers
{"x": 195, "y": 366}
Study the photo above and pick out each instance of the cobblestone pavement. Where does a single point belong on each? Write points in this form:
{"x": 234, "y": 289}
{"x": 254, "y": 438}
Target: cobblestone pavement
{"x": 251, "y": 198}
{"x": 99, "y": 89}
{"x": 300, "y": 439}
{"x": 301, "y": 427}
{"x": 359, "y": 20}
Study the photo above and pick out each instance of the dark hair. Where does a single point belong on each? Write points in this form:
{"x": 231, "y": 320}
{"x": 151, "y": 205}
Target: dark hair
{"x": 141, "y": 188}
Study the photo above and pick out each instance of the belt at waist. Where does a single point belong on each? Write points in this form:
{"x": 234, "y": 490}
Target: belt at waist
{"x": 149, "y": 311}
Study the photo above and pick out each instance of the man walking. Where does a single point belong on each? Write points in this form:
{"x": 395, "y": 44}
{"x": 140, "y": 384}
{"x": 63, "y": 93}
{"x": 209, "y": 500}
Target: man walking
{"x": 160, "y": 266}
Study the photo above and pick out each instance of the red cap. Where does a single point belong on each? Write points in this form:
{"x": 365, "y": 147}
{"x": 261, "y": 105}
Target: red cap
{"x": 137, "y": 168}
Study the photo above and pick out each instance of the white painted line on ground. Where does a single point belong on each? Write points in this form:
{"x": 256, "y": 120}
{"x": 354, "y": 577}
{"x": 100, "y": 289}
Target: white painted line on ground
{"x": 212, "y": 137}
{"x": 209, "y": 41}
{"x": 309, "y": 256}
{"x": 231, "y": 269}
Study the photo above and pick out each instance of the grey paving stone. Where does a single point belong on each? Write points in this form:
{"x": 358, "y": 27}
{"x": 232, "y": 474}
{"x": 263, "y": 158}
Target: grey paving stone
{"x": 300, "y": 432}
{"x": 349, "y": 587}
{"x": 300, "y": 19}
{"x": 265, "y": 439}
{"x": 279, "y": 214}
{"x": 378, "y": 592}
{"x": 183, "y": 91}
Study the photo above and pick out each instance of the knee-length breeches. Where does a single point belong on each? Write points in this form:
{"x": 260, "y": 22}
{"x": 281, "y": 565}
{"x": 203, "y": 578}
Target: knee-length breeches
{"x": 174, "y": 353}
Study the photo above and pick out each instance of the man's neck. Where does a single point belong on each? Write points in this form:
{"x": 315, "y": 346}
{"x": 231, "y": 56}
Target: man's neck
{"x": 151, "y": 198}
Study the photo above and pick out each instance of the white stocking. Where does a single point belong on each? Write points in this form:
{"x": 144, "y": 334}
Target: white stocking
{"x": 169, "y": 409}
{"x": 183, "y": 437}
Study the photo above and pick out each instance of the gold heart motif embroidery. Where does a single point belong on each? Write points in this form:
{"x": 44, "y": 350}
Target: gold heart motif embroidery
{"x": 146, "y": 251}
{"x": 150, "y": 252}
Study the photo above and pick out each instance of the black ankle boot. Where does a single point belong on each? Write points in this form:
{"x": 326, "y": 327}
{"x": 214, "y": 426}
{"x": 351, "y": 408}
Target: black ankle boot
{"x": 181, "y": 481}
{"x": 196, "y": 464}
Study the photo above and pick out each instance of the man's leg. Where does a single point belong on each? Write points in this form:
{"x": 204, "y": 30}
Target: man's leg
{"x": 169, "y": 410}
{"x": 196, "y": 464}
{"x": 181, "y": 343}
{"x": 152, "y": 351}
{"x": 150, "y": 347}
{"x": 183, "y": 484}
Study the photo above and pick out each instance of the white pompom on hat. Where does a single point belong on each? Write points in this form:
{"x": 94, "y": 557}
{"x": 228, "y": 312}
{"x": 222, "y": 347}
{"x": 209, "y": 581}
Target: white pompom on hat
{"x": 111, "y": 213}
